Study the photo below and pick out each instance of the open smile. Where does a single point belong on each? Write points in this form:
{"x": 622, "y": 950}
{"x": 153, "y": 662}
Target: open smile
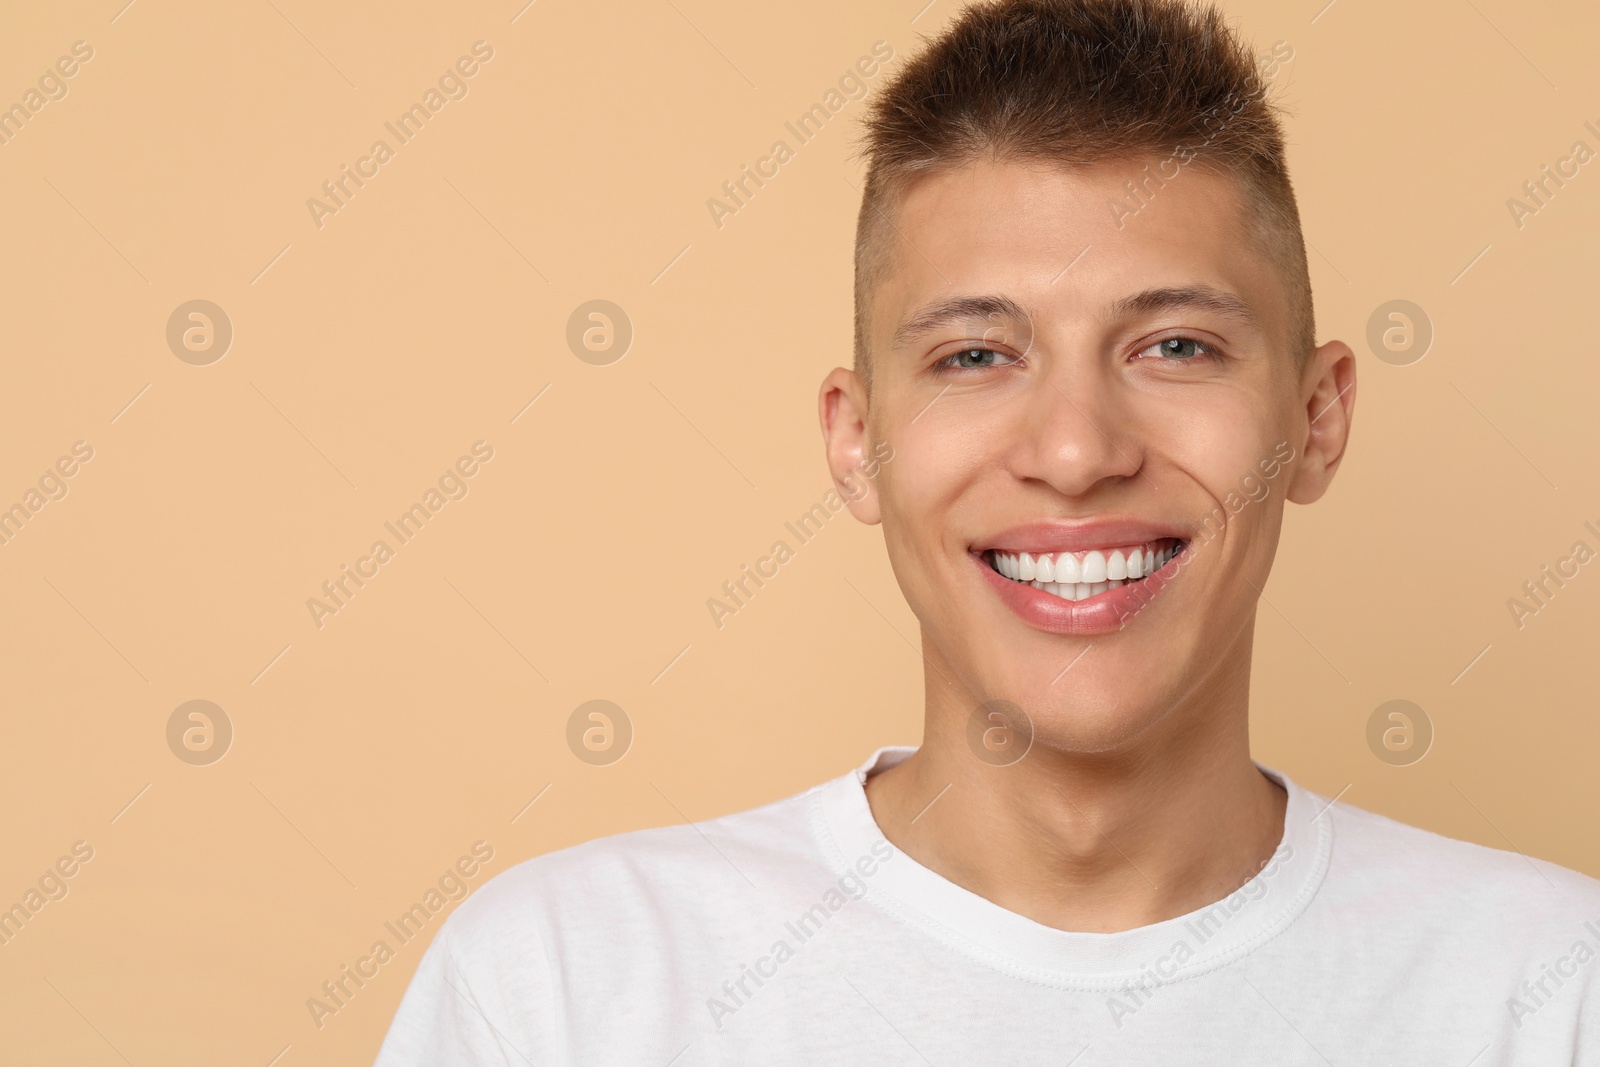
{"x": 1079, "y": 576}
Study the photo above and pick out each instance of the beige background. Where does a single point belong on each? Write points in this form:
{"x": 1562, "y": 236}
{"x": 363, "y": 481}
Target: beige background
{"x": 370, "y": 353}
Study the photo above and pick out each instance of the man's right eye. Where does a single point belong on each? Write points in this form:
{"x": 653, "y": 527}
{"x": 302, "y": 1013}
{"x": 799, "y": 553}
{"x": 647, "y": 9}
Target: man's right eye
{"x": 975, "y": 359}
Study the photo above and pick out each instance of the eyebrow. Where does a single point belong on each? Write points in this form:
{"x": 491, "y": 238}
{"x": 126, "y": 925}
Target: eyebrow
{"x": 1184, "y": 298}
{"x": 957, "y": 309}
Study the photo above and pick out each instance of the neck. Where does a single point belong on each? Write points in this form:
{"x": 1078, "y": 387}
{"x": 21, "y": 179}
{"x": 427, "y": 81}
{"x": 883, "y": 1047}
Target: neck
{"x": 1098, "y": 842}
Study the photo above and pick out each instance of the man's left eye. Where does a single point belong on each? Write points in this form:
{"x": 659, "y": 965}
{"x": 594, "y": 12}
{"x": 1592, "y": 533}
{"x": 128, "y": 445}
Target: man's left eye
{"x": 1180, "y": 349}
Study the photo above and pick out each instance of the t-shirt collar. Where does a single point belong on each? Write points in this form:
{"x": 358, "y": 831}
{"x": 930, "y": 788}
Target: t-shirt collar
{"x": 1158, "y": 954}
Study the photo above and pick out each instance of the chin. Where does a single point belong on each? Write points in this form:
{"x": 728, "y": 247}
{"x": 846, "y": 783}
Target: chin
{"x": 1092, "y": 717}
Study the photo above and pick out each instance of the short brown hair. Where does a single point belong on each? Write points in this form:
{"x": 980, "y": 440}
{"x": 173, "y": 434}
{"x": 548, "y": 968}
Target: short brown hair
{"x": 1078, "y": 82}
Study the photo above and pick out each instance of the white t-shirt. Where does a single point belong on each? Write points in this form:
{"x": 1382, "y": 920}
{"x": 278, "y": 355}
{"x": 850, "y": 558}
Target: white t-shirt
{"x": 795, "y": 934}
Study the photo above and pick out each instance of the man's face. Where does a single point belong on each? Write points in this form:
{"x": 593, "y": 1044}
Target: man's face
{"x": 1108, "y": 401}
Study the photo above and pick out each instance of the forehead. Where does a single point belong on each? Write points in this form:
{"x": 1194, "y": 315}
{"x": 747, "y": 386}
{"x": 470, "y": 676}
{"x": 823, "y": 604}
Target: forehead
{"x": 1069, "y": 243}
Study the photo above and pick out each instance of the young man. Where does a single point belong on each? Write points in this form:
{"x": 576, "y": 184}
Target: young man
{"x": 1084, "y": 328}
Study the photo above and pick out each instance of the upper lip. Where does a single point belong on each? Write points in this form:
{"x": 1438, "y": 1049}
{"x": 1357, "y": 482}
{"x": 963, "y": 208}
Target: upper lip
{"x": 1053, "y": 536}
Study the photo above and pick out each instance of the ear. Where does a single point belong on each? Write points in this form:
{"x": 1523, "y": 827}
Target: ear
{"x": 842, "y": 409}
{"x": 1329, "y": 392}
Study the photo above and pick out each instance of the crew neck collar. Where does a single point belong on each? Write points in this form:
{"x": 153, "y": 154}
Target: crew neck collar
{"x": 1161, "y": 953}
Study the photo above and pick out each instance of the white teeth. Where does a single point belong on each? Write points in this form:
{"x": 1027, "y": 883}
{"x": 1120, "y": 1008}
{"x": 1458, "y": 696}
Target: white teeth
{"x": 1075, "y": 577}
{"x": 1067, "y": 568}
{"x": 1094, "y": 567}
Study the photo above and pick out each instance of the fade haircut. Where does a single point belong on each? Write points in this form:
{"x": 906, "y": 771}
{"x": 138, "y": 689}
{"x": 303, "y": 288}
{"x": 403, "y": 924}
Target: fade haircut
{"x": 1078, "y": 82}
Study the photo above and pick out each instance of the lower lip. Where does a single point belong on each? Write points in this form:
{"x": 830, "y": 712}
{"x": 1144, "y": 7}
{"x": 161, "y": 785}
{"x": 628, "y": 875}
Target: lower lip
{"x": 1100, "y": 614}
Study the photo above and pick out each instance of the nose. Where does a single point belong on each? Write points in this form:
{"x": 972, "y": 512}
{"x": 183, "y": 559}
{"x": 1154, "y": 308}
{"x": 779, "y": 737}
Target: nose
{"x": 1075, "y": 434}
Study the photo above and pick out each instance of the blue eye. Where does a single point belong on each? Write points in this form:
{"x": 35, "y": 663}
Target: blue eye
{"x": 974, "y": 359}
{"x": 1181, "y": 349}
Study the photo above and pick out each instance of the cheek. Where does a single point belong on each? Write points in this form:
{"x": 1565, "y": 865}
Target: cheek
{"x": 924, "y": 492}
{"x": 1219, "y": 444}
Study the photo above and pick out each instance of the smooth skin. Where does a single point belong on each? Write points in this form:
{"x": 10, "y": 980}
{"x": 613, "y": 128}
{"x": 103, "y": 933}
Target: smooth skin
{"x": 1139, "y": 374}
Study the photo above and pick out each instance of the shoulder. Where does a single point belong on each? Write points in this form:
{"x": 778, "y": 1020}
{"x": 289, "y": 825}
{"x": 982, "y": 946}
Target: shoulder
{"x": 1432, "y": 880}
{"x": 640, "y": 881}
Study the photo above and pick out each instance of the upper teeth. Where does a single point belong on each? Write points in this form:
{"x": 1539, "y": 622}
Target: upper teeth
{"x": 1098, "y": 565}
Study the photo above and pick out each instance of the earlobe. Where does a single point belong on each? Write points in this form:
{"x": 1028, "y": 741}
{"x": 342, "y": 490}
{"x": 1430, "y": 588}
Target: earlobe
{"x": 842, "y": 410}
{"x": 1329, "y": 393}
